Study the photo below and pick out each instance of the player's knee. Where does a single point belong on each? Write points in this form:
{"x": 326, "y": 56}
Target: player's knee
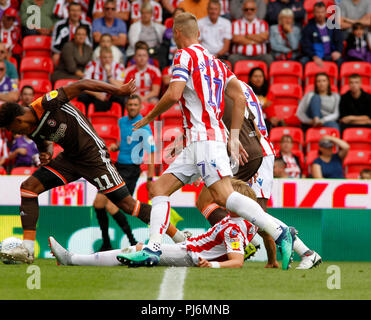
{"x": 127, "y": 204}
{"x": 33, "y": 185}
{"x": 100, "y": 201}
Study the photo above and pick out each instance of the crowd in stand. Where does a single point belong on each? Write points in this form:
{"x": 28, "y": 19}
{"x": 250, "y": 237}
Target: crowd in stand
{"x": 116, "y": 41}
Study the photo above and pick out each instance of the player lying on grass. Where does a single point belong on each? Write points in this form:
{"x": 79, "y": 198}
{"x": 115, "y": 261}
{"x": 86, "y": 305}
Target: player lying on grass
{"x": 221, "y": 246}
{"x": 52, "y": 118}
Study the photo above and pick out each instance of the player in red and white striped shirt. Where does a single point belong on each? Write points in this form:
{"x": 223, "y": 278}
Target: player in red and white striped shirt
{"x": 224, "y": 7}
{"x": 200, "y": 82}
{"x": 135, "y": 10}
{"x": 250, "y": 36}
{"x": 147, "y": 77}
{"x": 122, "y": 9}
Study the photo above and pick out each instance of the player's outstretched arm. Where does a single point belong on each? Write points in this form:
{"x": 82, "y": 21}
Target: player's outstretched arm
{"x": 235, "y": 260}
{"x": 170, "y": 97}
{"x": 76, "y": 88}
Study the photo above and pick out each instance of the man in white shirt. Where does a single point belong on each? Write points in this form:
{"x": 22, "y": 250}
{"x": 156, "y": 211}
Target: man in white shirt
{"x": 215, "y": 31}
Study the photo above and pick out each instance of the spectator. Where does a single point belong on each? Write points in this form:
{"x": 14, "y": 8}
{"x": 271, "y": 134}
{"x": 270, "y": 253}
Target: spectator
{"x": 320, "y": 43}
{"x": 330, "y": 164}
{"x": 4, "y": 4}
{"x": 279, "y": 168}
{"x": 8, "y": 89}
{"x": 284, "y": 37}
{"x": 24, "y": 151}
{"x": 142, "y": 45}
{"x": 3, "y": 150}
{"x": 355, "y": 105}
{"x": 365, "y": 174}
{"x": 292, "y": 162}
{"x": 250, "y": 36}
{"x": 197, "y": 7}
{"x": 355, "y": 11}
{"x": 236, "y": 12}
{"x": 47, "y": 18}
{"x": 215, "y": 31}
{"x": 10, "y": 33}
{"x": 145, "y": 30}
{"x": 64, "y": 30}
{"x": 260, "y": 86}
{"x": 111, "y": 25}
{"x": 122, "y": 9}
{"x": 274, "y": 9}
{"x": 11, "y": 70}
{"x": 147, "y": 77}
{"x": 75, "y": 55}
{"x": 321, "y": 107}
{"x": 136, "y": 10}
{"x": 358, "y": 46}
{"x": 107, "y": 42}
{"x": 27, "y": 96}
{"x": 104, "y": 69}
{"x": 61, "y": 8}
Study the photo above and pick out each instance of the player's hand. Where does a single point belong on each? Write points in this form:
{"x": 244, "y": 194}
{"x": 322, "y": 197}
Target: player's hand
{"x": 128, "y": 88}
{"x": 141, "y": 123}
{"x": 21, "y": 151}
{"x": 243, "y": 156}
{"x": 203, "y": 263}
{"x": 233, "y": 148}
{"x": 273, "y": 265}
{"x": 45, "y": 158}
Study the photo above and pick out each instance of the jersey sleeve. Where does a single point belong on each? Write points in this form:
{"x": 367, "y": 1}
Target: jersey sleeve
{"x": 182, "y": 68}
{"x": 233, "y": 240}
{"x": 54, "y": 99}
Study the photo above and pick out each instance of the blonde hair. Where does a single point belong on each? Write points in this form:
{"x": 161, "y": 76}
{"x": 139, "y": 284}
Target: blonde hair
{"x": 146, "y": 7}
{"x": 242, "y": 187}
{"x": 285, "y": 13}
{"x": 186, "y": 23}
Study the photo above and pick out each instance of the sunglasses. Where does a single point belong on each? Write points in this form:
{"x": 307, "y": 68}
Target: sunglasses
{"x": 249, "y": 9}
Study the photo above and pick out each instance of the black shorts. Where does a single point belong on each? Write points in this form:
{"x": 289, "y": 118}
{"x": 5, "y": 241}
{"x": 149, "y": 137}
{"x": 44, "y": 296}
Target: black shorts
{"x": 103, "y": 175}
{"x": 246, "y": 172}
{"x": 130, "y": 173}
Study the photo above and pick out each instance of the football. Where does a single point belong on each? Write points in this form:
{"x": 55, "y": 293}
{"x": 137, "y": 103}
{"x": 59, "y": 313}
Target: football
{"x": 8, "y": 244}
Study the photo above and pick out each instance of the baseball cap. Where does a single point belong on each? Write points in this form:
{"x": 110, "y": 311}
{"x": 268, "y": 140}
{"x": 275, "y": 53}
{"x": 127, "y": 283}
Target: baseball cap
{"x": 11, "y": 12}
{"x": 325, "y": 143}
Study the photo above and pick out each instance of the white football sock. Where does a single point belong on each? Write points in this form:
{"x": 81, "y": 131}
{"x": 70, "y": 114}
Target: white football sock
{"x": 178, "y": 237}
{"x": 29, "y": 245}
{"x": 160, "y": 220}
{"x": 299, "y": 247}
{"x": 100, "y": 259}
{"x": 252, "y": 212}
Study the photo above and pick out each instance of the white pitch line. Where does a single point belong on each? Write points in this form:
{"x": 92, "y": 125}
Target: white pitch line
{"x": 172, "y": 284}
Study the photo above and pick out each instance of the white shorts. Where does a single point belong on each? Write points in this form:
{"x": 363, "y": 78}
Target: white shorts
{"x": 264, "y": 181}
{"x": 175, "y": 255}
{"x": 206, "y": 159}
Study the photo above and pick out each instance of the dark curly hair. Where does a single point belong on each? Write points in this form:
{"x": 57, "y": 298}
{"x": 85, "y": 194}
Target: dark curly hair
{"x": 8, "y": 112}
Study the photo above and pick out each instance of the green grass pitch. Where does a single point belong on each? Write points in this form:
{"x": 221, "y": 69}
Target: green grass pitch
{"x": 123, "y": 283}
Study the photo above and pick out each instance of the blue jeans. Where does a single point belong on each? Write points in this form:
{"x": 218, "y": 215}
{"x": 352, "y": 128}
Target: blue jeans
{"x": 314, "y": 110}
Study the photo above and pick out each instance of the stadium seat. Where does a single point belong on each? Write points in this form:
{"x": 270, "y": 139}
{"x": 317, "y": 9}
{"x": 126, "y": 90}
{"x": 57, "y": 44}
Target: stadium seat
{"x": 146, "y": 108}
{"x": 330, "y": 68}
{"x": 353, "y": 175}
{"x": 103, "y": 118}
{"x": 356, "y": 161}
{"x": 14, "y": 61}
{"x": 353, "y": 67}
{"x": 281, "y": 93}
{"x": 242, "y": 68}
{"x": 285, "y": 112}
{"x": 309, "y": 158}
{"x": 36, "y": 67}
{"x": 115, "y": 110}
{"x": 358, "y": 138}
{"x": 172, "y": 117}
{"x": 79, "y": 105}
{"x": 2, "y": 171}
{"x": 286, "y": 72}
{"x": 23, "y": 171}
{"x": 296, "y": 134}
{"x": 39, "y": 46}
{"x": 41, "y": 86}
{"x": 345, "y": 88}
{"x": 57, "y": 149}
{"x": 314, "y": 135}
{"x": 310, "y": 87}
{"x": 63, "y": 82}
{"x": 108, "y": 131}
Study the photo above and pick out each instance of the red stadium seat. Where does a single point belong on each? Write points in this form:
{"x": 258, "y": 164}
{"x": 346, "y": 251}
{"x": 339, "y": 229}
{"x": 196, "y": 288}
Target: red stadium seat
{"x": 357, "y": 160}
{"x": 314, "y": 135}
{"x": 358, "y": 138}
{"x": 309, "y": 158}
{"x": 345, "y": 88}
{"x": 353, "y": 67}
{"x": 281, "y": 93}
{"x": 79, "y": 105}
{"x": 39, "y": 46}
{"x": 146, "y": 108}
{"x": 14, "y": 61}
{"x": 296, "y": 133}
{"x": 36, "y": 67}
{"x": 2, "y": 171}
{"x": 285, "y": 112}
{"x": 311, "y": 69}
{"x": 353, "y": 175}
{"x": 57, "y": 149}
{"x": 41, "y": 86}
{"x": 242, "y": 68}
{"x": 103, "y": 118}
{"x": 115, "y": 110}
{"x": 286, "y": 72}
{"x": 63, "y": 82}
{"x": 23, "y": 171}
{"x": 107, "y": 131}
{"x": 310, "y": 87}
{"x": 172, "y": 117}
